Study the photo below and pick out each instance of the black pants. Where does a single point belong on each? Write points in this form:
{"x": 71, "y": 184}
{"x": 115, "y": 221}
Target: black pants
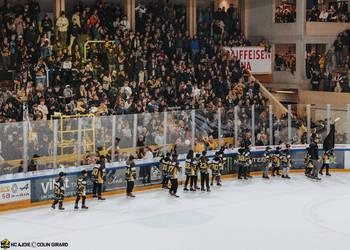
{"x": 275, "y": 169}
{"x": 129, "y": 186}
{"x": 58, "y": 199}
{"x": 195, "y": 180}
{"x": 174, "y": 185}
{"x": 324, "y": 165}
{"x": 242, "y": 170}
{"x": 188, "y": 179}
{"x": 205, "y": 180}
{"x": 78, "y": 198}
{"x": 97, "y": 187}
{"x": 165, "y": 180}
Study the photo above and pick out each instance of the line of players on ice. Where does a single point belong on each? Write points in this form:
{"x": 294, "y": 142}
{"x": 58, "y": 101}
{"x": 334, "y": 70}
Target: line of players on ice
{"x": 195, "y": 165}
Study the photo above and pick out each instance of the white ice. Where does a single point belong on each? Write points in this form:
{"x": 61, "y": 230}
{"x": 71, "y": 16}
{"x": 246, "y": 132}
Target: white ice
{"x": 256, "y": 214}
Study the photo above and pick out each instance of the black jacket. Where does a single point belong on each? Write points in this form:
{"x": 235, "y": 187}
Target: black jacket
{"x": 314, "y": 151}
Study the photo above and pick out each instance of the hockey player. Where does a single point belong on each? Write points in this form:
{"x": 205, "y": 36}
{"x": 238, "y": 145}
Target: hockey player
{"x": 59, "y": 191}
{"x": 215, "y": 169}
{"x": 326, "y": 161}
{"x": 98, "y": 175}
{"x": 286, "y": 162}
{"x": 174, "y": 168}
{"x": 204, "y": 172}
{"x": 164, "y": 162}
{"x": 308, "y": 163}
{"x": 81, "y": 190}
{"x": 196, "y": 168}
{"x": 188, "y": 168}
{"x": 242, "y": 162}
{"x": 130, "y": 176}
{"x": 221, "y": 164}
{"x": 248, "y": 156}
{"x": 277, "y": 156}
{"x": 267, "y": 162}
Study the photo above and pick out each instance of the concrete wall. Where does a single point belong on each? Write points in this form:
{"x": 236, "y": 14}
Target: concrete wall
{"x": 323, "y": 98}
{"x": 325, "y": 29}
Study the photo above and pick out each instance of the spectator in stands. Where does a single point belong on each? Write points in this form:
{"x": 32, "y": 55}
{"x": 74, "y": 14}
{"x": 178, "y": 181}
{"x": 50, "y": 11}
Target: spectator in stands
{"x": 62, "y": 24}
{"x": 326, "y": 80}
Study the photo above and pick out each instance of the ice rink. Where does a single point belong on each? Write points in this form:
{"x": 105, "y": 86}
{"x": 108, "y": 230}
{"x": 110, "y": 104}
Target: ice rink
{"x": 256, "y": 214}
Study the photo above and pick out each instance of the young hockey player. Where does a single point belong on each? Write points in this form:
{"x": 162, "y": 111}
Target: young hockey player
{"x": 248, "y": 156}
{"x": 98, "y": 175}
{"x": 241, "y": 162}
{"x": 222, "y": 164}
{"x": 215, "y": 169}
{"x": 59, "y": 191}
{"x": 277, "y": 156}
{"x": 267, "y": 162}
{"x": 204, "y": 172}
{"x": 130, "y": 176}
{"x": 174, "y": 168}
{"x": 286, "y": 162}
{"x": 164, "y": 162}
{"x": 308, "y": 163}
{"x": 81, "y": 190}
{"x": 314, "y": 158}
{"x": 196, "y": 168}
{"x": 188, "y": 168}
{"x": 326, "y": 161}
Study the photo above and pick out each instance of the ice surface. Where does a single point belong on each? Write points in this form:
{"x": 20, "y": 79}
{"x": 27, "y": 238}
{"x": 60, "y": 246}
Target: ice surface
{"x": 256, "y": 214}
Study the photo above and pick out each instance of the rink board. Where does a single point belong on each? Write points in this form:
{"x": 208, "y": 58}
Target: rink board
{"x": 37, "y": 188}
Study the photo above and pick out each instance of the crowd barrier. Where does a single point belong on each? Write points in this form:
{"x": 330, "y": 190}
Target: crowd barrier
{"x": 23, "y": 190}
{"x": 40, "y": 145}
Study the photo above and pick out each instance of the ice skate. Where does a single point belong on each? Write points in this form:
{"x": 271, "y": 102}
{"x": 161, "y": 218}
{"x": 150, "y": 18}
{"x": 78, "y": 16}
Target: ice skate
{"x": 100, "y": 198}
{"x": 76, "y": 207}
{"x": 186, "y": 189}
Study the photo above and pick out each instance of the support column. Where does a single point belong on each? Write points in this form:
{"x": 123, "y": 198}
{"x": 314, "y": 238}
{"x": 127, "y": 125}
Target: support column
{"x": 60, "y": 5}
{"x": 129, "y": 9}
{"x": 191, "y": 15}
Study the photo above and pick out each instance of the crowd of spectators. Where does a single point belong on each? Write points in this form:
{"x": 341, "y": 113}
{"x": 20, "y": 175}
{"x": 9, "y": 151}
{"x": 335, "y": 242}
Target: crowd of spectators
{"x": 285, "y": 13}
{"x": 158, "y": 67}
{"x": 323, "y": 12}
{"x": 285, "y": 62}
{"x": 329, "y": 71}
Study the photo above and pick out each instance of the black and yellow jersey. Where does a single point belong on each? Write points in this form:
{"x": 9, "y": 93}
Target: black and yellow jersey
{"x": 130, "y": 171}
{"x": 268, "y": 158}
{"x": 174, "y": 169}
{"x": 204, "y": 165}
{"x": 277, "y": 157}
{"x": 59, "y": 186}
{"x": 222, "y": 160}
{"x": 241, "y": 156}
{"x": 81, "y": 186}
{"x": 326, "y": 156}
{"x": 215, "y": 166}
{"x": 188, "y": 166}
{"x": 287, "y": 158}
{"x": 248, "y": 157}
{"x": 98, "y": 173}
{"x": 164, "y": 163}
{"x": 196, "y": 166}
